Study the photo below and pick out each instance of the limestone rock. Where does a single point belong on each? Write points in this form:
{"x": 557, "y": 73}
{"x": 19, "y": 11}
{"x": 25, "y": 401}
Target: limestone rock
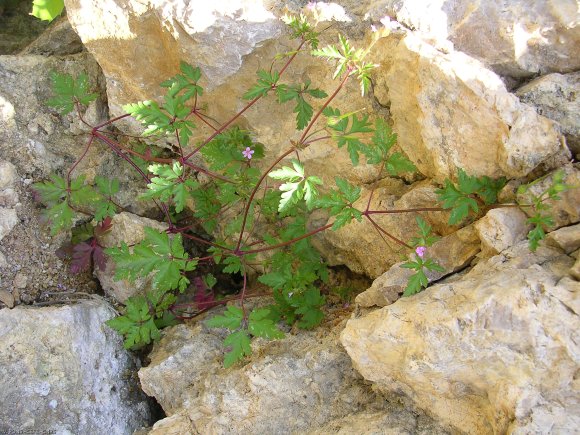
{"x": 62, "y": 370}
{"x": 520, "y": 38}
{"x": 8, "y": 219}
{"x": 567, "y": 238}
{"x": 492, "y": 352}
{"x": 57, "y": 40}
{"x": 565, "y": 211}
{"x": 230, "y": 42}
{"x": 128, "y": 228}
{"x": 555, "y": 96}
{"x": 288, "y": 386}
{"x": 33, "y": 137}
{"x": 500, "y": 229}
{"x": 451, "y": 112}
{"x": 8, "y": 198}
{"x": 453, "y": 253}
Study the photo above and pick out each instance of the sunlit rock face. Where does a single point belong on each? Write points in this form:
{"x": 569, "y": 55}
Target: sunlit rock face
{"x": 519, "y": 38}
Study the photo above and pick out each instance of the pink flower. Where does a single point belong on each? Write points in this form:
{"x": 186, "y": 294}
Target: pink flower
{"x": 420, "y": 251}
{"x": 247, "y": 153}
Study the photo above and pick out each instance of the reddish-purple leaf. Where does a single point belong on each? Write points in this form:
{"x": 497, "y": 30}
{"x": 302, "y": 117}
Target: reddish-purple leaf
{"x": 204, "y": 297}
{"x": 103, "y": 227}
{"x": 99, "y": 257}
{"x": 81, "y": 257}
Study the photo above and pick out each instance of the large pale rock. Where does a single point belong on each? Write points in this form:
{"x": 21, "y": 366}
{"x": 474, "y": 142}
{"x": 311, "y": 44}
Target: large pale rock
{"x": 139, "y": 46}
{"x": 519, "y": 38}
{"x": 451, "y": 112}
{"x": 62, "y": 370}
{"x": 500, "y": 229}
{"x": 493, "y": 352}
{"x": 453, "y": 252}
{"x": 293, "y": 385}
{"x": 555, "y": 96}
{"x": 128, "y": 228}
{"x": 567, "y": 238}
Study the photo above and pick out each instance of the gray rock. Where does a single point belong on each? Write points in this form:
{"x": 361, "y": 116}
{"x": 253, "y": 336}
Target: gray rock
{"x": 555, "y": 96}
{"x": 33, "y": 137}
{"x": 128, "y": 228}
{"x": 57, "y": 40}
{"x": 8, "y": 220}
{"x": 62, "y": 370}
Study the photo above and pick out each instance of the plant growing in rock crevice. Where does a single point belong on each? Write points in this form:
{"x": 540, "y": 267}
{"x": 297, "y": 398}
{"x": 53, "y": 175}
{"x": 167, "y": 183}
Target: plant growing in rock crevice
{"x": 240, "y": 199}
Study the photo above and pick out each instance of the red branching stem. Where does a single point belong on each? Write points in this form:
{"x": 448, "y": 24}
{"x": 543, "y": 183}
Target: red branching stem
{"x": 241, "y": 112}
{"x": 324, "y": 106}
{"x": 373, "y": 191}
{"x": 110, "y": 121}
{"x": 389, "y": 235}
{"x": 72, "y": 168}
{"x": 202, "y": 119}
{"x": 289, "y": 242}
{"x": 253, "y": 194}
{"x": 206, "y": 242}
{"x": 403, "y": 210}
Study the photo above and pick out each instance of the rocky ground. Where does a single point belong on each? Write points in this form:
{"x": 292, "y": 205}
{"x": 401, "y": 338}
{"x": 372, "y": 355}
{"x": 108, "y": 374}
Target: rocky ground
{"x": 490, "y": 347}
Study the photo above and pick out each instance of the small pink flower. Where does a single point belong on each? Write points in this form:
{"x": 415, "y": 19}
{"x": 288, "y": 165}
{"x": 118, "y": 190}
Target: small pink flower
{"x": 420, "y": 251}
{"x": 373, "y": 28}
{"x": 247, "y": 153}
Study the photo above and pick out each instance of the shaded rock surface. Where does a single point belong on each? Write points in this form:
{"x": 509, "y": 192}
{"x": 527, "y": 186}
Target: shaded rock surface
{"x": 128, "y": 228}
{"x": 492, "y": 352}
{"x": 17, "y": 27}
{"x": 59, "y": 39}
{"x": 294, "y": 385}
{"x": 556, "y": 96}
{"x": 62, "y": 370}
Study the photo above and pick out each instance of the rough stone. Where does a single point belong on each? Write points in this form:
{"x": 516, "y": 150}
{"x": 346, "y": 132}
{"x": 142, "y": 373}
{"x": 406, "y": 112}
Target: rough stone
{"x": 449, "y": 111}
{"x": 8, "y": 175}
{"x": 492, "y": 352}
{"x": 230, "y": 42}
{"x": 555, "y": 96}
{"x": 59, "y": 39}
{"x": 128, "y": 228}
{"x": 575, "y": 270}
{"x": 62, "y": 370}
{"x": 7, "y": 298}
{"x": 33, "y": 137}
{"x": 567, "y": 238}
{"x": 17, "y": 27}
{"x": 293, "y": 385}
{"x": 564, "y": 211}
{"x": 8, "y": 220}
{"x": 520, "y": 38}
{"x": 453, "y": 253}
{"x": 500, "y": 229}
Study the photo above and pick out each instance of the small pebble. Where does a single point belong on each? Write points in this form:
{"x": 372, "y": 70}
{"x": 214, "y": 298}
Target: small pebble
{"x": 20, "y": 280}
{"x": 7, "y": 298}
